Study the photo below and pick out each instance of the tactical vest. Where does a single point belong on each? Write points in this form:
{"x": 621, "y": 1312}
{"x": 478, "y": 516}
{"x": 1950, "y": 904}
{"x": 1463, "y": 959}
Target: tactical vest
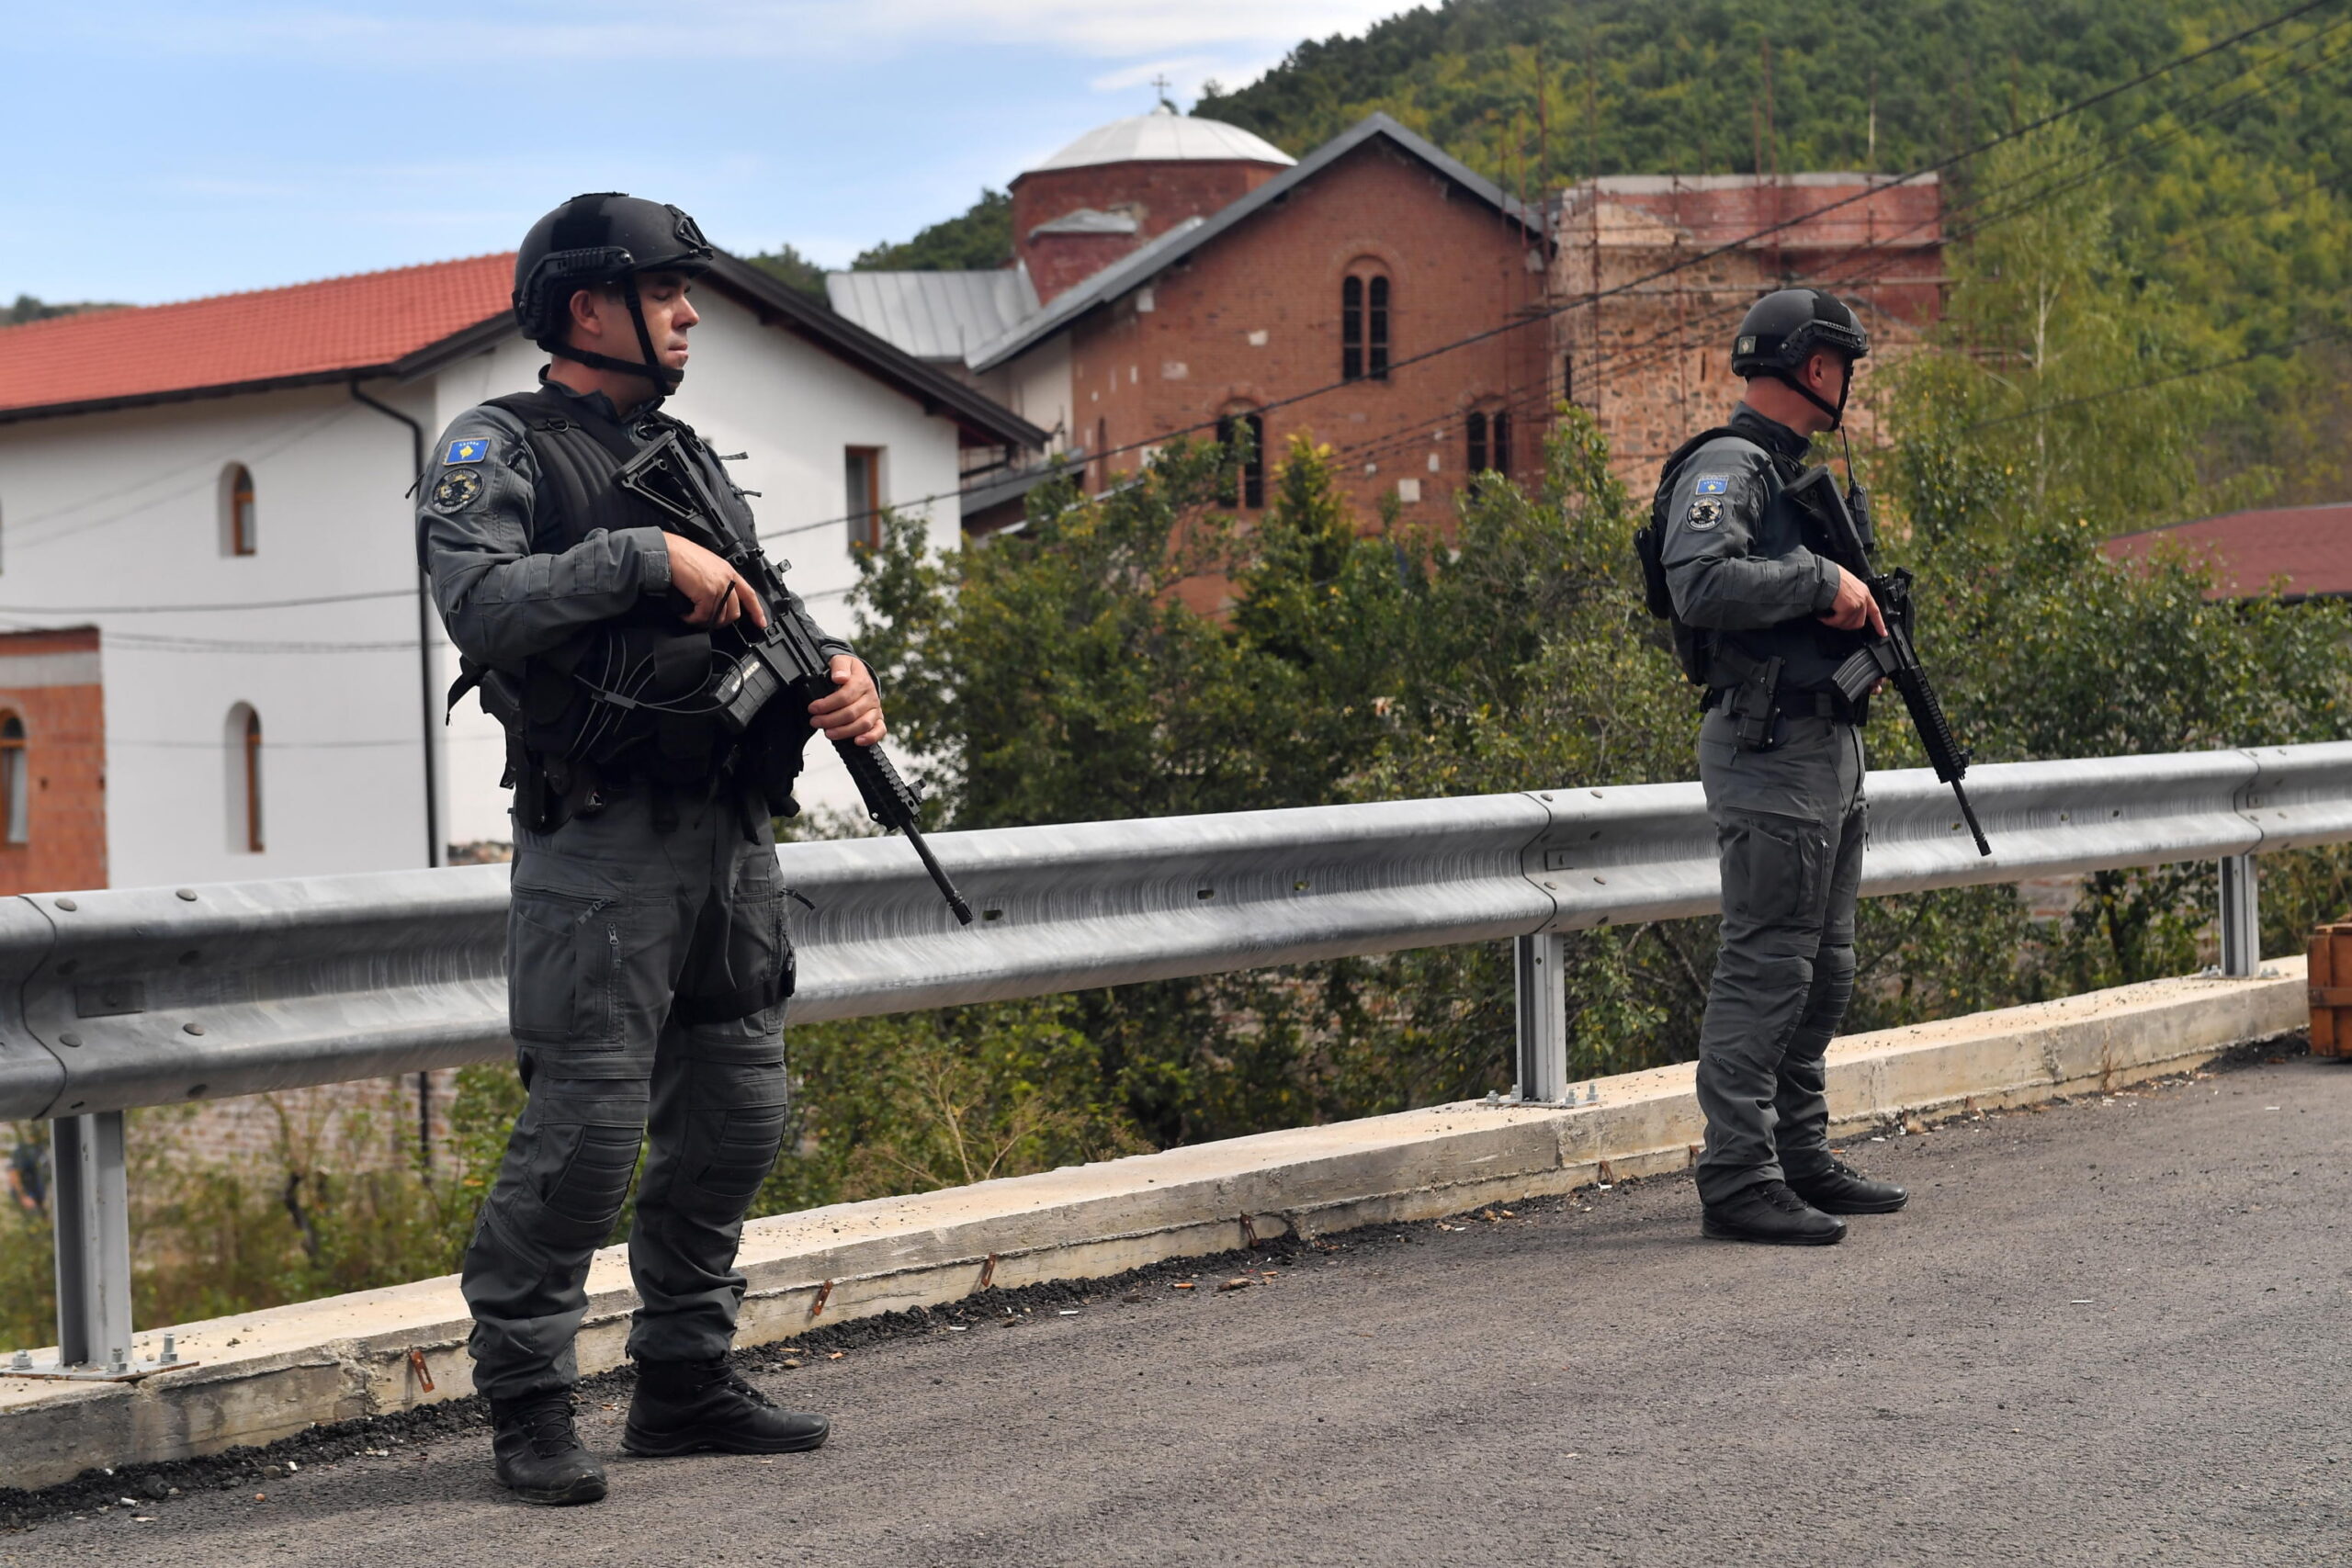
{"x": 623, "y": 697}
{"x": 1810, "y": 650}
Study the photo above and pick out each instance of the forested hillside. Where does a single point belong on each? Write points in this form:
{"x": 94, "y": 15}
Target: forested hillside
{"x": 2259, "y": 135}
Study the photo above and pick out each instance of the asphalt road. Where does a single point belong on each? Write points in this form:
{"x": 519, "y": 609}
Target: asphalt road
{"x": 2107, "y": 1333}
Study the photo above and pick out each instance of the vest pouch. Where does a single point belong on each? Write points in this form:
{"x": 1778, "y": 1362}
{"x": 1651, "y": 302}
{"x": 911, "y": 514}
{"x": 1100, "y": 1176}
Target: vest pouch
{"x": 772, "y": 747}
{"x": 567, "y": 716}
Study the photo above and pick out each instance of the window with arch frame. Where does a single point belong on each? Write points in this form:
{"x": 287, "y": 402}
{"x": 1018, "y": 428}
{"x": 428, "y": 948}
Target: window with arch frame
{"x": 239, "y": 535}
{"x": 16, "y": 783}
{"x": 242, "y": 738}
{"x": 1487, "y": 437}
{"x": 1250, "y": 490}
{"x": 1364, "y": 296}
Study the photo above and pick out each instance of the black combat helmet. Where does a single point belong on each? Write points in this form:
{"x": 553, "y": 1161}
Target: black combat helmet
{"x": 1785, "y": 328}
{"x": 602, "y": 238}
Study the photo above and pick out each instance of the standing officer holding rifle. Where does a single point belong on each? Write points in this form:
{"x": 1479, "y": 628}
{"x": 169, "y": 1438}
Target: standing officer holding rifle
{"x": 590, "y": 560}
{"x": 1762, "y": 569}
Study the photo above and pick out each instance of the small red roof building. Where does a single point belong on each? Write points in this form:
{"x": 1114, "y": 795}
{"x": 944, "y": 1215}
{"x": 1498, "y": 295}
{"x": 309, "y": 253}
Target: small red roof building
{"x": 2309, "y": 546}
{"x": 250, "y": 342}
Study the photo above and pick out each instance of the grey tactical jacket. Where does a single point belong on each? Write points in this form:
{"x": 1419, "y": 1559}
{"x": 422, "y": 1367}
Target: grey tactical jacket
{"x": 502, "y": 603}
{"x": 1737, "y": 563}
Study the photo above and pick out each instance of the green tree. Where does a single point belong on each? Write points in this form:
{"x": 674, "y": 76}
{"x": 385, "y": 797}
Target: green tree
{"x": 794, "y": 268}
{"x": 978, "y": 239}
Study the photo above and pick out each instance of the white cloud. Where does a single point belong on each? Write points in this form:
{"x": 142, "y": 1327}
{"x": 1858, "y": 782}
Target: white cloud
{"x": 1250, "y": 31}
{"x": 1109, "y": 28}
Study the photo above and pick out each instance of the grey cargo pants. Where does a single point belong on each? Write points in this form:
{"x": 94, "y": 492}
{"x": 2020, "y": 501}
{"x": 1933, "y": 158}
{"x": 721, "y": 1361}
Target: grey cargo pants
{"x": 1788, "y": 824}
{"x": 647, "y": 968}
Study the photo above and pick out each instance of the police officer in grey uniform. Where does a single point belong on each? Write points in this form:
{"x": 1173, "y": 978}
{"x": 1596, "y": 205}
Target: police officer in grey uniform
{"x": 647, "y": 955}
{"x": 1761, "y": 621}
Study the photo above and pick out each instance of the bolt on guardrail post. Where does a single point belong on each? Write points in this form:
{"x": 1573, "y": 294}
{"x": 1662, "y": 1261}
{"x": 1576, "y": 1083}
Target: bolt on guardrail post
{"x": 90, "y": 1198}
{"x": 1542, "y": 1018}
{"x": 2240, "y": 918}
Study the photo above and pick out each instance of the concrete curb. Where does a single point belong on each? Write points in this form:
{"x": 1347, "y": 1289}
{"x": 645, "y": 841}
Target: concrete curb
{"x": 268, "y": 1374}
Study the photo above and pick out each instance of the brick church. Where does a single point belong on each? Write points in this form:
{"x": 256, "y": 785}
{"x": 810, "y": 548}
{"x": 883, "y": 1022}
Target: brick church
{"x": 1174, "y": 273}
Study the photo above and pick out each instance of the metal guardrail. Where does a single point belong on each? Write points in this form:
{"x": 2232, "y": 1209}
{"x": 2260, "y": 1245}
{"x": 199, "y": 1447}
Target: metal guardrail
{"x": 161, "y": 996}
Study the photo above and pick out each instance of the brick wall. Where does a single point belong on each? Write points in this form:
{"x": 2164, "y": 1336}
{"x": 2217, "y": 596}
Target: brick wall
{"x": 1159, "y": 196}
{"x": 1652, "y": 361}
{"x": 50, "y": 682}
{"x": 1254, "y": 318}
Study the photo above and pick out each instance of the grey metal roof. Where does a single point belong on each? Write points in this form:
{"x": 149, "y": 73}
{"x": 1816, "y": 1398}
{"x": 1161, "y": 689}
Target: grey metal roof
{"x": 978, "y": 415}
{"x": 934, "y": 315}
{"x": 1090, "y": 220}
{"x": 1139, "y": 266}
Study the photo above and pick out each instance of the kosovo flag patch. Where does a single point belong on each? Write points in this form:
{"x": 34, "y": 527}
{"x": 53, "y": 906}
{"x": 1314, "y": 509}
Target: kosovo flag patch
{"x": 466, "y": 449}
{"x": 1713, "y": 484}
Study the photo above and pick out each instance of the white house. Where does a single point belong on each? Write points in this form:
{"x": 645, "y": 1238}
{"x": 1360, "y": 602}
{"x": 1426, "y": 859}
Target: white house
{"x": 215, "y": 661}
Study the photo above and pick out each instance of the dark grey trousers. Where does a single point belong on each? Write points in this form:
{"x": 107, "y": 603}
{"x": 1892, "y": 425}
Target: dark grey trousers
{"x": 647, "y": 968}
{"x": 1788, "y": 824}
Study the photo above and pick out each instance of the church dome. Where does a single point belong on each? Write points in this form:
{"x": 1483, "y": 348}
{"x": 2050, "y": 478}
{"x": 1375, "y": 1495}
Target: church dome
{"x": 1164, "y": 136}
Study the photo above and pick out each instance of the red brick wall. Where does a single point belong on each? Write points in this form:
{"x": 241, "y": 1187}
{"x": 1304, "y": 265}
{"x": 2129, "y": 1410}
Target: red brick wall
{"x": 1652, "y": 360}
{"x": 64, "y": 762}
{"x": 1254, "y": 316}
{"x": 1059, "y": 262}
{"x": 1158, "y": 195}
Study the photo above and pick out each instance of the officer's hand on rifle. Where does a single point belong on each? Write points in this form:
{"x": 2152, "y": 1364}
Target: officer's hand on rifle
{"x": 1854, "y": 606}
{"x": 716, "y": 590}
{"x": 855, "y": 710}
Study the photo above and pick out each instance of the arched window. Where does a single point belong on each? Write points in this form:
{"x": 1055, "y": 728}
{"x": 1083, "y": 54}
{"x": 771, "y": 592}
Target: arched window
{"x": 1363, "y": 326}
{"x": 242, "y": 736}
{"x": 16, "y": 782}
{"x": 1252, "y": 489}
{"x": 238, "y": 537}
{"x": 1488, "y": 438}
{"x": 1351, "y": 329}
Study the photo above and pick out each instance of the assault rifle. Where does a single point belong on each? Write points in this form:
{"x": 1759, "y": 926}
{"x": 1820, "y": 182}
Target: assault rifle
{"x": 784, "y": 659}
{"x": 1892, "y": 657}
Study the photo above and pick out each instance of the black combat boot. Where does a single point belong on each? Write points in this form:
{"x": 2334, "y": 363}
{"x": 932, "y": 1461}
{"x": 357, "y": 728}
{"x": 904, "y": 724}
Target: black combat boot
{"x": 686, "y": 1407}
{"x": 1842, "y": 1190}
{"x": 1770, "y": 1213}
{"x": 539, "y": 1456}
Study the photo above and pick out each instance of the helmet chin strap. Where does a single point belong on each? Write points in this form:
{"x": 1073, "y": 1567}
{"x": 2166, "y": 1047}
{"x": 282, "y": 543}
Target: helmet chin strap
{"x": 650, "y": 369}
{"x": 1836, "y": 412}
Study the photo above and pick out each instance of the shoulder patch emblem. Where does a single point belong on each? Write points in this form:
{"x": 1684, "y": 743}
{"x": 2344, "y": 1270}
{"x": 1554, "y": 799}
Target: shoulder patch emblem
{"x": 1714, "y": 484}
{"x": 1705, "y": 512}
{"x": 466, "y": 449}
{"x": 457, "y": 489}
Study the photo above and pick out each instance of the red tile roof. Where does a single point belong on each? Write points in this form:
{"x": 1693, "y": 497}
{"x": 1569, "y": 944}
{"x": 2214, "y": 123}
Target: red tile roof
{"x": 314, "y": 329}
{"x": 2309, "y": 546}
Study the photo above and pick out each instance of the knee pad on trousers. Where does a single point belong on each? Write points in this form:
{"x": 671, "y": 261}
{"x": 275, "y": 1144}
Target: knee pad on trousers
{"x": 584, "y": 1200}
{"x": 733, "y": 1139}
{"x": 1832, "y": 989}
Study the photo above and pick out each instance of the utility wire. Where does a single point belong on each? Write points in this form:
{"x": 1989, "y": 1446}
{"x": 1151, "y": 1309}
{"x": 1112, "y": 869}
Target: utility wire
{"x": 1695, "y": 259}
{"x": 1630, "y": 357}
{"x": 2248, "y": 357}
{"x": 195, "y": 609}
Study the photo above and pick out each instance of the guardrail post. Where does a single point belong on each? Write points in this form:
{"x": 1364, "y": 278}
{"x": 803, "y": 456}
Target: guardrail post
{"x": 90, "y": 1200}
{"x": 2240, "y": 918}
{"x": 1542, "y": 1018}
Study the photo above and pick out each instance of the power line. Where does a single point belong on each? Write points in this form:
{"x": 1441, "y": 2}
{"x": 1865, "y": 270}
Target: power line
{"x": 1696, "y": 258}
{"x": 2188, "y": 374}
{"x": 197, "y": 609}
{"x": 1633, "y": 358}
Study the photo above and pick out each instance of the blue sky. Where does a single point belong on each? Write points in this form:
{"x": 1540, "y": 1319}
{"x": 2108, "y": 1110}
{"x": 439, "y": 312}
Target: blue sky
{"x": 166, "y": 151}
